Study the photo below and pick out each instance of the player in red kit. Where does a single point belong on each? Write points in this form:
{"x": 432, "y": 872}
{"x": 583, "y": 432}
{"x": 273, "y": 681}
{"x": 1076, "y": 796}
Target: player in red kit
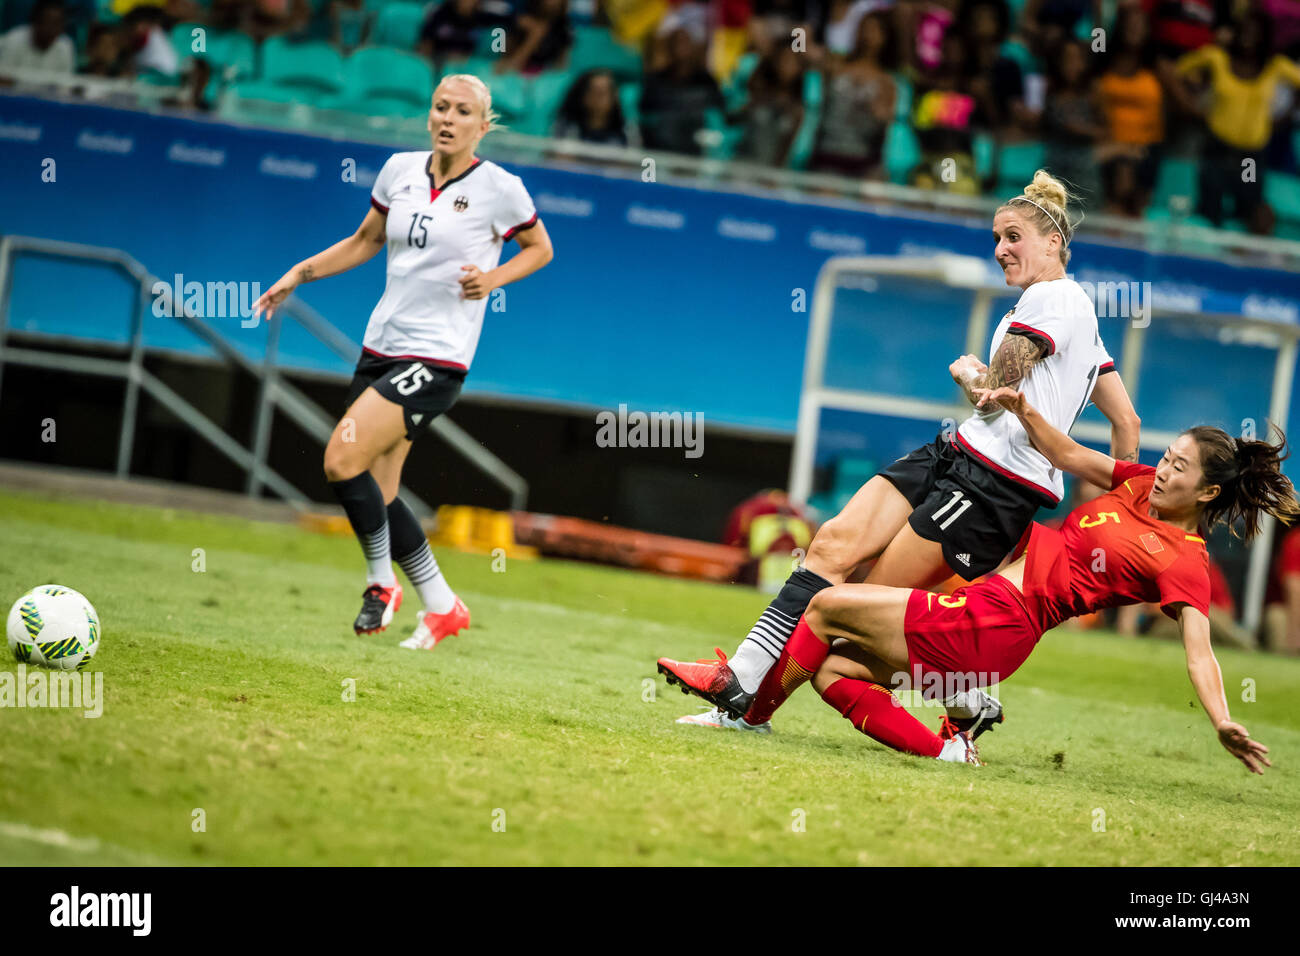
{"x": 1143, "y": 542}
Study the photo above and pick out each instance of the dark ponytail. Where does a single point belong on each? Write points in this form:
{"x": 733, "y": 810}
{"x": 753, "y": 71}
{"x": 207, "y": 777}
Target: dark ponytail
{"x": 1249, "y": 475}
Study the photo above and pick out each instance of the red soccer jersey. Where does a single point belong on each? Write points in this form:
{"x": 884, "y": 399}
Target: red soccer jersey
{"x": 1111, "y": 552}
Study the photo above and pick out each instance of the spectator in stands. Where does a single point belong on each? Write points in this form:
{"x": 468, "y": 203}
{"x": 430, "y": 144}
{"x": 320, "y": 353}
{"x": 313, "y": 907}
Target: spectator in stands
{"x": 41, "y": 44}
{"x": 1071, "y": 122}
{"x": 540, "y": 39}
{"x": 1285, "y": 15}
{"x": 774, "y": 111}
{"x": 1132, "y": 103}
{"x": 350, "y": 23}
{"x": 1180, "y": 26}
{"x": 1282, "y": 603}
{"x": 943, "y": 116}
{"x": 994, "y": 80}
{"x": 1241, "y": 80}
{"x": 676, "y": 100}
{"x": 839, "y": 34}
{"x": 104, "y": 54}
{"x": 451, "y": 33}
{"x": 591, "y": 111}
{"x": 148, "y": 44}
{"x": 859, "y": 101}
{"x": 923, "y": 26}
{"x": 774, "y": 22}
{"x": 1046, "y": 24}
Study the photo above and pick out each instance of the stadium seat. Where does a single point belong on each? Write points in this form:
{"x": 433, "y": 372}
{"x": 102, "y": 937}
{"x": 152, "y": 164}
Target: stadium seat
{"x": 1016, "y": 50}
{"x": 629, "y": 94}
{"x": 392, "y": 74}
{"x": 1177, "y": 177}
{"x": 902, "y": 151}
{"x": 234, "y": 53}
{"x": 377, "y": 105}
{"x": 806, "y": 138}
{"x": 984, "y": 150}
{"x": 903, "y": 104}
{"x": 736, "y": 89}
{"x": 544, "y": 93}
{"x": 314, "y": 68}
{"x": 182, "y": 38}
{"x": 398, "y": 25}
{"x": 596, "y": 47}
{"x": 1017, "y": 163}
{"x": 1282, "y": 191}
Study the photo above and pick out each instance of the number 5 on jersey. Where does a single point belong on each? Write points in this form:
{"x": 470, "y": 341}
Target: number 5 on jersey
{"x": 956, "y": 497}
{"x": 410, "y": 381}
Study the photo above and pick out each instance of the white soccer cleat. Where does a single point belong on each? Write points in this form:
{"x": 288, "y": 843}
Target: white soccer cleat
{"x": 722, "y": 720}
{"x": 960, "y": 749}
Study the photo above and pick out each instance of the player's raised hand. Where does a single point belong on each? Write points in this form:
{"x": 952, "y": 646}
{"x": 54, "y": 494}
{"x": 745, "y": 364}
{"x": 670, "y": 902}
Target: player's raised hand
{"x": 966, "y": 369}
{"x": 474, "y": 284}
{"x": 1236, "y": 740}
{"x": 270, "y": 300}
{"x": 1013, "y": 400}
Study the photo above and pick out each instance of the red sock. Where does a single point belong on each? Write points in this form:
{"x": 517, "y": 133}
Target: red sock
{"x": 875, "y": 711}
{"x": 803, "y": 654}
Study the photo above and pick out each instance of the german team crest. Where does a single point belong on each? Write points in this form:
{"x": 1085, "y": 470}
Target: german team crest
{"x": 1152, "y": 543}
{"x": 461, "y": 204}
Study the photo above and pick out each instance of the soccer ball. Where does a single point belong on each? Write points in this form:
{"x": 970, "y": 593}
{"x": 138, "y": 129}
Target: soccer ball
{"x": 54, "y": 626}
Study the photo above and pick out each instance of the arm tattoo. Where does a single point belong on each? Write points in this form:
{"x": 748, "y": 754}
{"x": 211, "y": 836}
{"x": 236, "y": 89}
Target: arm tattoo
{"x": 1014, "y": 358}
{"x": 306, "y": 274}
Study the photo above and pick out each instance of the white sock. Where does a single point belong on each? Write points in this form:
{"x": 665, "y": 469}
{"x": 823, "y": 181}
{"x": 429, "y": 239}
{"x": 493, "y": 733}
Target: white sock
{"x": 437, "y": 594}
{"x": 750, "y": 665}
{"x": 379, "y": 563}
{"x": 964, "y": 703}
{"x": 427, "y": 579}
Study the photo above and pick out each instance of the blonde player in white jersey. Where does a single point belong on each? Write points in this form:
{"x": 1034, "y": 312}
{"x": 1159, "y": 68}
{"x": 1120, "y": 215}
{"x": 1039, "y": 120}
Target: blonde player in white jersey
{"x": 960, "y": 504}
{"x": 445, "y": 216}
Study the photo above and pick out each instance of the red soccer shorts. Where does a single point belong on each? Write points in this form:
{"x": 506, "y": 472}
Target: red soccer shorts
{"x": 983, "y": 627}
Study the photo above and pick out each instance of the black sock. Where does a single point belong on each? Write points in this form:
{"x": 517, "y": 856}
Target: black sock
{"x": 364, "y": 504}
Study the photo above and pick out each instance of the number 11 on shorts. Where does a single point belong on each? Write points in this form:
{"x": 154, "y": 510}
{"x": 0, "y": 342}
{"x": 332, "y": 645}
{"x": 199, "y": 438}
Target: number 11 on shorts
{"x": 956, "y": 497}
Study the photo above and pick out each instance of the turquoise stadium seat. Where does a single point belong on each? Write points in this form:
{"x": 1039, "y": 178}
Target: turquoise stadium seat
{"x": 1177, "y": 177}
{"x": 544, "y": 92}
{"x": 375, "y": 71}
{"x": 314, "y": 68}
{"x": 736, "y": 90}
{"x": 629, "y": 94}
{"x": 1017, "y": 163}
{"x": 984, "y": 151}
{"x": 806, "y": 138}
{"x": 233, "y": 51}
{"x": 595, "y": 47}
{"x": 902, "y": 151}
{"x": 182, "y": 39}
{"x": 398, "y": 25}
{"x": 1282, "y": 192}
{"x": 903, "y": 103}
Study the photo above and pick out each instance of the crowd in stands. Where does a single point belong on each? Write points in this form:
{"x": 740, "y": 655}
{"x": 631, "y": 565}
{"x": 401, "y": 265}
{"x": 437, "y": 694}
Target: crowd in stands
{"x": 957, "y": 95}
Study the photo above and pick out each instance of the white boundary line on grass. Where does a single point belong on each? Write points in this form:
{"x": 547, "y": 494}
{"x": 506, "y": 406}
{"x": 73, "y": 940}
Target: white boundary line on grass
{"x": 65, "y": 841}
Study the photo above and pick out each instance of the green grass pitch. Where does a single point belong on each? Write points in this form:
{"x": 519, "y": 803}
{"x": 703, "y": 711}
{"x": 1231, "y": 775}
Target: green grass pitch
{"x": 543, "y": 736}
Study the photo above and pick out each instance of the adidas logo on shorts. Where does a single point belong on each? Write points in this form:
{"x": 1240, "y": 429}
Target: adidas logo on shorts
{"x": 963, "y": 558}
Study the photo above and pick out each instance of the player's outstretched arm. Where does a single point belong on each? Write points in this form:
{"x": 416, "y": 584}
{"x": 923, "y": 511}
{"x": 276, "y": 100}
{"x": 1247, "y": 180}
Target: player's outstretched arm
{"x": 1111, "y": 398}
{"x": 1057, "y": 447}
{"x": 1011, "y": 363}
{"x": 1203, "y": 669}
{"x": 346, "y": 254}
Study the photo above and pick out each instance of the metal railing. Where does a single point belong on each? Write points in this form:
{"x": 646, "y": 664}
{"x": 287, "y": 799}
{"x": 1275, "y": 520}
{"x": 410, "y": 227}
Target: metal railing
{"x": 274, "y": 392}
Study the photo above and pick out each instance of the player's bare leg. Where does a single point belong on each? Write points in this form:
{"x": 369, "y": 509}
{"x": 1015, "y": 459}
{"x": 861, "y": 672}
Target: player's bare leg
{"x": 859, "y": 533}
{"x": 372, "y": 427}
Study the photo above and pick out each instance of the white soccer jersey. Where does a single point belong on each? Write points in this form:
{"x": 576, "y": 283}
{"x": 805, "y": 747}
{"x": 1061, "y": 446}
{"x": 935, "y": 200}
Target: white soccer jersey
{"x": 1061, "y": 315}
{"x": 431, "y": 234}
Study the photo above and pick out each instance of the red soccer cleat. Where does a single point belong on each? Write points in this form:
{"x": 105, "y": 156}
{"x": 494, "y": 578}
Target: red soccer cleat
{"x": 713, "y": 680}
{"x": 378, "y": 605}
{"x": 434, "y": 627}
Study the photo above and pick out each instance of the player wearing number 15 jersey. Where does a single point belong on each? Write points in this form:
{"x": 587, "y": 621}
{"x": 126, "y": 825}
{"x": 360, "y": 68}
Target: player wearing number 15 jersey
{"x": 444, "y": 216}
{"x": 1142, "y": 542}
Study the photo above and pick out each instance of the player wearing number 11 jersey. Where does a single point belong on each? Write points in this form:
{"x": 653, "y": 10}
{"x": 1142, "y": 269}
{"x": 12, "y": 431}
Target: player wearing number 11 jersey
{"x": 444, "y": 215}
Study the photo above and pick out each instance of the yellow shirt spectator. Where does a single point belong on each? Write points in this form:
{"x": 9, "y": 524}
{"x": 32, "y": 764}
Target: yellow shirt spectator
{"x": 1240, "y": 112}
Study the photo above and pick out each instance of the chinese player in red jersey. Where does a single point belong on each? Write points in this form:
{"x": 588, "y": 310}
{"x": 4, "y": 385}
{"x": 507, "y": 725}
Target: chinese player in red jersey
{"x": 1144, "y": 541}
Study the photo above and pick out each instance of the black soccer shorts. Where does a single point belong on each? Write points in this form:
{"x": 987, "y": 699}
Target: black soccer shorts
{"x": 424, "y": 390}
{"x": 977, "y": 515}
